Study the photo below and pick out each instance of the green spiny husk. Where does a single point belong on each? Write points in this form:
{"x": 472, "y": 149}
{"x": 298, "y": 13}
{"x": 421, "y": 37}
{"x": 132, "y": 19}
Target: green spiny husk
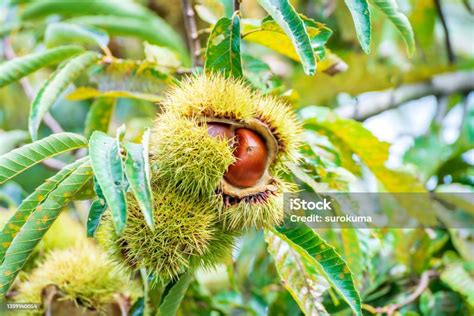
{"x": 185, "y": 159}
{"x": 246, "y": 215}
{"x": 186, "y": 236}
{"x": 83, "y": 274}
{"x": 195, "y": 227}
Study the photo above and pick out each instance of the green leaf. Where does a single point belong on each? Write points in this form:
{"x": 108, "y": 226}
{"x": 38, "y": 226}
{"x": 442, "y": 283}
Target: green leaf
{"x": 138, "y": 177}
{"x": 116, "y": 17}
{"x": 127, "y": 79}
{"x": 99, "y": 116}
{"x": 54, "y": 86}
{"x": 399, "y": 20}
{"x": 271, "y": 35}
{"x": 60, "y": 33}
{"x": 108, "y": 170}
{"x": 173, "y": 299}
{"x": 361, "y": 15}
{"x": 11, "y": 139}
{"x": 30, "y": 204}
{"x": 155, "y": 32}
{"x": 285, "y": 15}
{"x": 20, "y": 67}
{"x": 298, "y": 276}
{"x": 374, "y": 153}
{"x": 20, "y": 159}
{"x": 97, "y": 209}
{"x": 40, "y": 9}
{"x": 320, "y": 254}
{"x": 223, "y": 47}
{"x": 38, "y": 224}
{"x": 466, "y": 138}
{"x": 85, "y": 93}
{"x": 460, "y": 280}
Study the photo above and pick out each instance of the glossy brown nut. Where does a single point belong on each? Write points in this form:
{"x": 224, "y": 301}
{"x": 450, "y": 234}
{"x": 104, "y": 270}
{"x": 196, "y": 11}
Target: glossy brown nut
{"x": 219, "y": 130}
{"x": 251, "y": 153}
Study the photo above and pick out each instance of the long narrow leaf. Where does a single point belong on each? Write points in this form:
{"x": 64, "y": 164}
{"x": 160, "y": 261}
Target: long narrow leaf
{"x": 125, "y": 79}
{"x": 271, "y": 35}
{"x": 97, "y": 209}
{"x": 308, "y": 244}
{"x": 399, "y": 20}
{"x": 361, "y": 15}
{"x": 285, "y": 15}
{"x": 139, "y": 180}
{"x": 38, "y": 224}
{"x": 155, "y": 32}
{"x": 298, "y": 276}
{"x": 54, "y": 86}
{"x": 108, "y": 170}
{"x": 173, "y": 299}
{"x": 29, "y": 205}
{"x": 20, "y": 159}
{"x": 223, "y": 47}
{"x": 39, "y": 9}
{"x": 20, "y": 67}
{"x": 120, "y": 15}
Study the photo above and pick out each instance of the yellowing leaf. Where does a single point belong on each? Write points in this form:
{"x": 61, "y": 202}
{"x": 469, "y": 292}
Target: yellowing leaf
{"x": 84, "y": 93}
{"x": 374, "y": 154}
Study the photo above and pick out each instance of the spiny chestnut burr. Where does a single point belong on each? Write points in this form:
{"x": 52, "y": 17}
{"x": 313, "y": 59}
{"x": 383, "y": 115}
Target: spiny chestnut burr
{"x": 250, "y": 152}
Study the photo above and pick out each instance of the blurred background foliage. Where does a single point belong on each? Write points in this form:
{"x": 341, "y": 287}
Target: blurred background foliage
{"x": 422, "y": 105}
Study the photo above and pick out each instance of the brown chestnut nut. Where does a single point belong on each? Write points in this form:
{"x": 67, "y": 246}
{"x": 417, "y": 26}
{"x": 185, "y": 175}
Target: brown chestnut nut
{"x": 220, "y": 130}
{"x": 251, "y": 153}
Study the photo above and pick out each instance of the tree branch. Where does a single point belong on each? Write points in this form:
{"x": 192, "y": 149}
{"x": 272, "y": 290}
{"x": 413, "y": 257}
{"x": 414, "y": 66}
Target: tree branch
{"x": 447, "y": 39}
{"x": 422, "y": 286}
{"x": 374, "y": 103}
{"x": 237, "y": 5}
{"x": 191, "y": 32}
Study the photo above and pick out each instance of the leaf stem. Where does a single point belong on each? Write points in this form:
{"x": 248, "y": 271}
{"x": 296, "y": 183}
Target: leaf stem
{"x": 391, "y": 309}
{"x": 191, "y": 32}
